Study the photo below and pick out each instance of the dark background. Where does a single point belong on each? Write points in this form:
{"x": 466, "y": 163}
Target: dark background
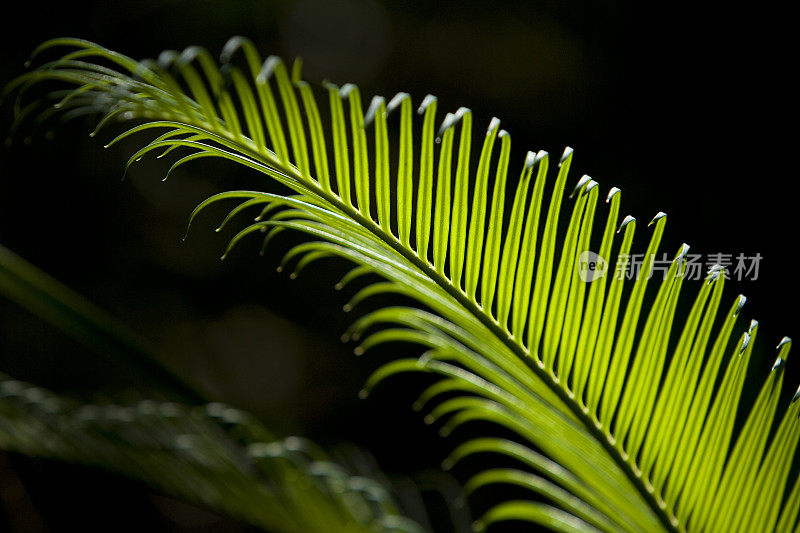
{"x": 689, "y": 110}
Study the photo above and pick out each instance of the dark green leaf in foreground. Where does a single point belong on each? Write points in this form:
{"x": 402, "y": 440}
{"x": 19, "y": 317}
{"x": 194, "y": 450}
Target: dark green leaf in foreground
{"x": 212, "y": 455}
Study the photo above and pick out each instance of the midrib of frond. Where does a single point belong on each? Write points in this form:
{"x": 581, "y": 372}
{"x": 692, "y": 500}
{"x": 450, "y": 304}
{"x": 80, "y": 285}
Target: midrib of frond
{"x": 591, "y": 423}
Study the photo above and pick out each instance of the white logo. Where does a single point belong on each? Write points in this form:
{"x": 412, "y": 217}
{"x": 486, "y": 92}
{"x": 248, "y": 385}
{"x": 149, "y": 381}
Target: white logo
{"x": 591, "y": 266}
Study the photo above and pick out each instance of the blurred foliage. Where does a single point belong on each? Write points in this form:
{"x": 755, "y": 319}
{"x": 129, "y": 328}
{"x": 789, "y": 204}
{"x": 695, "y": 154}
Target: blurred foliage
{"x": 215, "y": 456}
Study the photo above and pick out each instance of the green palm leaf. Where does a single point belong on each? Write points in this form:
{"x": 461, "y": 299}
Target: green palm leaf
{"x": 212, "y": 455}
{"x": 625, "y": 412}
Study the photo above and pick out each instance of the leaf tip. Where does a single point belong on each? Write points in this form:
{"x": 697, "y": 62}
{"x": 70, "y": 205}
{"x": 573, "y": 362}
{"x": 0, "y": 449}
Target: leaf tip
{"x": 530, "y": 160}
{"x": 346, "y": 89}
{"x": 426, "y": 103}
{"x": 682, "y": 253}
{"x": 449, "y": 120}
{"x": 745, "y": 341}
{"x": 739, "y": 304}
{"x": 578, "y": 186}
{"x": 658, "y": 217}
{"x": 627, "y": 220}
{"x": 493, "y": 125}
{"x": 396, "y": 100}
{"x": 566, "y": 156}
{"x": 376, "y": 105}
{"x": 713, "y": 273}
{"x": 783, "y": 347}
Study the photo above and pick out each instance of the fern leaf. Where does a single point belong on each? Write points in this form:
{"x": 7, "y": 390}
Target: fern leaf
{"x": 624, "y": 409}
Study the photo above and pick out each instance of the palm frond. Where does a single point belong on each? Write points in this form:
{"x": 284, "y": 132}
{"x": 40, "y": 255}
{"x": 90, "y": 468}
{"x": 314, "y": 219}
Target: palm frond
{"x": 625, "y": 411}
{"x": 212, "y": 455}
